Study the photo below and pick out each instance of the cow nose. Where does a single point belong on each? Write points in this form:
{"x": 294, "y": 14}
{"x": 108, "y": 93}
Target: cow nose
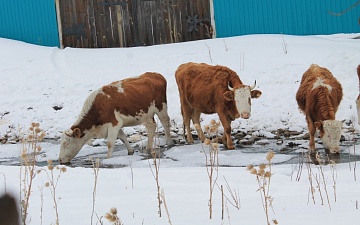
{"x": 245, "y": 115}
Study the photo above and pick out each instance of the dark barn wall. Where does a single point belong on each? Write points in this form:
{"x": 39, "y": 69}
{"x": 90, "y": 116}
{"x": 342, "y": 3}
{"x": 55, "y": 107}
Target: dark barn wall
{"x": 129, "y": 23}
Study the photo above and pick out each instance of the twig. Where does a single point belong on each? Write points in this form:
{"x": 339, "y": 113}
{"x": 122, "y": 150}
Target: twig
{"x": 209, "y": 53}
{"x": 165, "y": 205}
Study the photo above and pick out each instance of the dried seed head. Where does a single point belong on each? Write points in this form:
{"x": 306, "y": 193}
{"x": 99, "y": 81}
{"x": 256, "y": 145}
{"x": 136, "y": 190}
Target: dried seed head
{"x": 63, "y": 169}
{"x": 206, "y": 128}
{"x": 270, "y": 155}
{"x": 213, "y": 129}
{"x": 47, "y": 184}
{"x": 249, "y": 167}
{"x": 23, "y": 154}
{"x": 37, "y": 130}
{"x": 30, "y": 137}
{"x": 262, "y": 166}
{"x": 207, "y": 141}
{"x": 113, "y": 210}
{"x": 50, "y": 167}
{"x": 261, "y": 172}
{"x": 275, "y": 222}
{"x": 38, "y": 148}
{"x": 253, "y": 171}
{"x": 267, "y": 174}
{"x": 108, "y": 216}
{"x": 50, "y": 162}
{"x": 31, "y": 128}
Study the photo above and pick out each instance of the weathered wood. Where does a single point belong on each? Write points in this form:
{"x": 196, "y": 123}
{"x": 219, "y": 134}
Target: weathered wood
{"x": 129, "y": 23}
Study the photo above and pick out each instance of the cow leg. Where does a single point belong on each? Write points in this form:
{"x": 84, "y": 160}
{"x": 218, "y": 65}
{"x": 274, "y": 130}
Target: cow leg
{"x": 151, "y": 129}
{"x": 187, "y": 112}
{"x": 196, "y": 122}
{"x": 123, "y": 138}
{"x": 111, "y": 138}
{"x": 165, "y": 122}
{"x": 312, "y": 130}
{"x": 227, "y": 132}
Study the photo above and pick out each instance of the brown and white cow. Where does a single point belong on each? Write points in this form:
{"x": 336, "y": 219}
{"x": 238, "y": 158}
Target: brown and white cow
{"x": 319, "y": 96}
{"x": 212, "y": 89}
{"x": 123, "y": 103}
{"x": 358, "y": 98}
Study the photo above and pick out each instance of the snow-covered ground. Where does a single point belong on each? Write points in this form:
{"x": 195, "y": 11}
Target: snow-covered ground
{"x": 36, "y": 79}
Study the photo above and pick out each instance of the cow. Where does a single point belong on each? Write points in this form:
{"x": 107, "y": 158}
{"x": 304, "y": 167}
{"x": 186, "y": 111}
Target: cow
{"x": 211, "y": 89}
{"x": 318, "y": 97}
{"x": 124, "y": 103}
{"x": 358, "y": 98}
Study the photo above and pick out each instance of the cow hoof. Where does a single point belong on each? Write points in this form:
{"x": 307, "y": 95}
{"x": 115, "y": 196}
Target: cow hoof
{"x": 231, "y": 147}
{"x": 131, "y": 153}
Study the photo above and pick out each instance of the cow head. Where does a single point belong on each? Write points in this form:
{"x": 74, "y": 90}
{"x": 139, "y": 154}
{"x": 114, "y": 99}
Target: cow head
{"x": 330, "y": 133}
{"x": 72, "y": 141}
{"x": 242, "y": 96}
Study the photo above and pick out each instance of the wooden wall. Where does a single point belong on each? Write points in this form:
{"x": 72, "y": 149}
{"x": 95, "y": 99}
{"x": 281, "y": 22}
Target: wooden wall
{"x": 129, "y": 23}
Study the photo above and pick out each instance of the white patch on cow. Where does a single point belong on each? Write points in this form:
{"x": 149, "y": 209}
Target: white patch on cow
{"x": 332, "y": 135}
{"x": 118, "y": 85}
{"x": 243, "y": 101}
{"x": 320, "y": 82}
{"x": 87, "y": 105}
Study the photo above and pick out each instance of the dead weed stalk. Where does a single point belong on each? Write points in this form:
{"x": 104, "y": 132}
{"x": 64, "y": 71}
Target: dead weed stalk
{"x": 212, "y": 159}
{"x": 30, "y": 148}
{"x": 263, "y": 178}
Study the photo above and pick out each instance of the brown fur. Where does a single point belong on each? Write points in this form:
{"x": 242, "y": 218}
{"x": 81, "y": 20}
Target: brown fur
{"x": 204, "y": 89}
{"x": 130, "y": 102}
{"x": 318, "y": 104}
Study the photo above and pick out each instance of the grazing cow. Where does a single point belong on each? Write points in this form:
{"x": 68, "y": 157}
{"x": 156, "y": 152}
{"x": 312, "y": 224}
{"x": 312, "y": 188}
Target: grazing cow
{"x": 124, "y": 103}
{"x": 318, "y": 97}
{"x": 358, "y": 98}
{"x": 212, "y": 89}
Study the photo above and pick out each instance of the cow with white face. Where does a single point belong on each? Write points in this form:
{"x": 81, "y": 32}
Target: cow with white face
{"x": 319, "y": 96}
{"x": 129, "y": 102}
{"x": 213, "y": 89}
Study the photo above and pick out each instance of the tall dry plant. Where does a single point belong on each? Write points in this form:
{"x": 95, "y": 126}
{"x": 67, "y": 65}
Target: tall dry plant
{"x": 155, "y": 157}
{"x": 96, "y": 168}
{"x": 30, "y": 148}
{"x": 212, "y": 159}
{"x": 53, "y": 180}
{"x": 263, "y": 177}
{"x": 156, "y": 163}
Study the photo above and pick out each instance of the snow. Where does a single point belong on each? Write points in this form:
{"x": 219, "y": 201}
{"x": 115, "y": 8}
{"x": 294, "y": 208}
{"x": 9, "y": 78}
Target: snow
{"x": 35, "y": 79}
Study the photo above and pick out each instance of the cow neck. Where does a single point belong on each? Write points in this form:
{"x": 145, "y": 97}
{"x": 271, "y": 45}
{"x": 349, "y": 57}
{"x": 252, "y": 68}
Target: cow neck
{"x": 88, "y": 120}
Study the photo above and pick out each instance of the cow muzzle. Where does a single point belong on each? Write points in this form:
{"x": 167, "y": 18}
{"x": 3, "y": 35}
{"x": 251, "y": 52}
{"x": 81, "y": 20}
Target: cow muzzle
{"x": 245, "y": 115}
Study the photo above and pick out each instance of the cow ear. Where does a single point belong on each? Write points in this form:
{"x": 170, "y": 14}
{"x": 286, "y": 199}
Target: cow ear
{"x": 229, "y": 96}
{"x": 255, "y": 93}
{"x": 77, "y": 133}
